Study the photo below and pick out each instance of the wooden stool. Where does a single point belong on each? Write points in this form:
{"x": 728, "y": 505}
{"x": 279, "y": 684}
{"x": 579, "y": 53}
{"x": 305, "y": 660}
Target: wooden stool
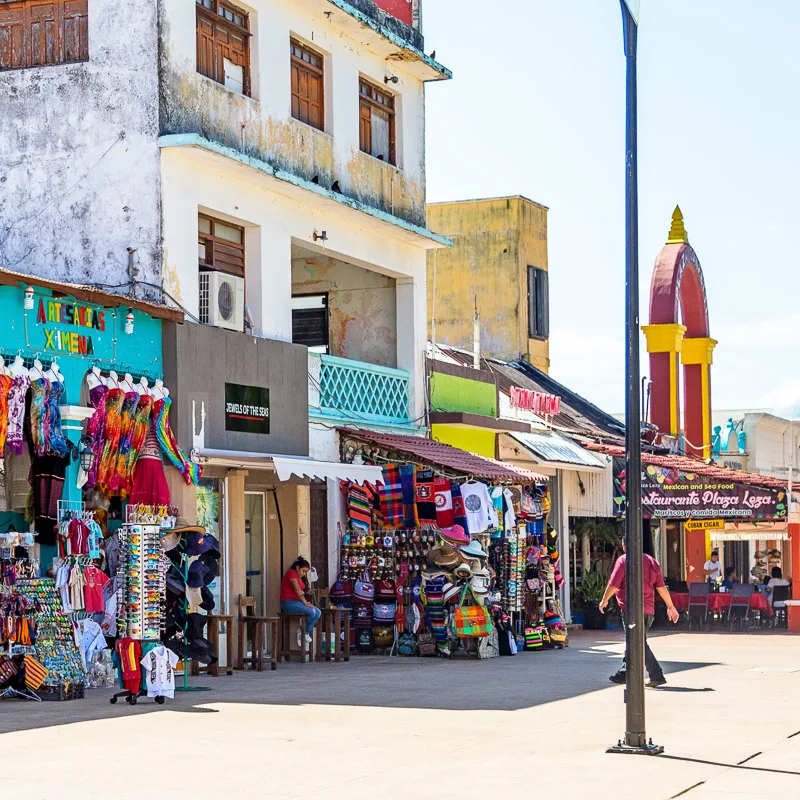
{"x": 255, "y": 628}
{"x": 333, "y": 623}
{"x": 214, "y": 624}
{"x": 286, "y": 651}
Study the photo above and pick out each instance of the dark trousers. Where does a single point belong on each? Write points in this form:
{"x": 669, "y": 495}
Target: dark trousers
{"x": 651, "y": 664}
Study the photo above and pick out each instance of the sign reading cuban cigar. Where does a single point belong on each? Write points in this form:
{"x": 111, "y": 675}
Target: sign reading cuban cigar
{"x": 674, "y": 494}
{"x": 246, "y": 408}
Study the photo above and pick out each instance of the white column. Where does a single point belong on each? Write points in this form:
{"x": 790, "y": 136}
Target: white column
{"x": 273, "y": 284}
{"x": 411, "y": 333}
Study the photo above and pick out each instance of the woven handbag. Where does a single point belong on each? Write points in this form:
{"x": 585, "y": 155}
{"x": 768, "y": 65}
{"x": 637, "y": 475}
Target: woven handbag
{"x": 472, "y": 620}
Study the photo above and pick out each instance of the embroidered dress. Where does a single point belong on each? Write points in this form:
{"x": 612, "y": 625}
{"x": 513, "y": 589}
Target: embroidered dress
{"x": 5, "y": 385}
{"x": 40, "y": 423}
{"x": 166, "y": 438}
{"x": 96, "y": 427}
{"x": 58, "y": 444}
{"x": 113, "y": 429}
{"x": 15, "y": 441}
{"x": 116, "y": 480}
{"x": 149, "y": 484}
{"x": 141, "y": 426}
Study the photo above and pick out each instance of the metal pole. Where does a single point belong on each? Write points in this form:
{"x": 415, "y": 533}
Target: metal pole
{"x": 635, "y": 735}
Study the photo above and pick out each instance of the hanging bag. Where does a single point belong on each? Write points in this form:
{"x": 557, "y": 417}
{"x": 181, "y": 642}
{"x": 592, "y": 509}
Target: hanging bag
{"x": 365, "y": 588}
{"x": 472, "y": 620}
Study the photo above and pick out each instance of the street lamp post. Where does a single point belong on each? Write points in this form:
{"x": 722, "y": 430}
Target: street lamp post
{"x": 635, "y": 736}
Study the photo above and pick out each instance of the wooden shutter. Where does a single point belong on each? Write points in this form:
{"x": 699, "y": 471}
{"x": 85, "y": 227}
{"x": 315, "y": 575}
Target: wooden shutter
{"x": 222, "y": 34}
{"x": 205, "y": 47}
{"x": 365, "y": 128}
{"x": 37, "y": 33}
{"x": 307, "y": 85}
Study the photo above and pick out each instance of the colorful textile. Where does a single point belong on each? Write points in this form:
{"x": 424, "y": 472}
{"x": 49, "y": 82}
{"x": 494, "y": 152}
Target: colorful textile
{"x": 15, "y": 441}
{"x": 408, "y": 476}
{"x": 116, "y": 479}
{"x": 40, "y": 423}
{"x": 5, "y": 386}
{"x": 141, "y": 426}
{"x": 58, "y": 444}
{"x": 359, "y": 507}
{"x": 166, "y": 438}
{"x": 459, "y": 512}
{"x": 426, "y": 499}
{"x": 444, "y": 502}
{"x": 35, "y": 672}
{"x": 149, "y": 483}
{"x": 113, "y": 430}
{"x": 95, "y": 429}
{"x": 391, "y": 496}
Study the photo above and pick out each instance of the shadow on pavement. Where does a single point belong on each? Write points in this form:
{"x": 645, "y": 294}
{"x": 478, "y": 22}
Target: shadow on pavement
{"x": 729, "y": 766}
{"x": 684, "y": 689}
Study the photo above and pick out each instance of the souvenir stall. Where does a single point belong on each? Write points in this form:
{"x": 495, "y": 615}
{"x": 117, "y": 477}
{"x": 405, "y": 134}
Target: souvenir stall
{"x": 84, "y": 498}
{"x": 449, "y": 555}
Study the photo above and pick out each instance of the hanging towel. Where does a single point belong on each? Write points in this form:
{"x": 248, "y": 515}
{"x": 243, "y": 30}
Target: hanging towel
{"x": 426, "y": 500}
{"x": 459, "y": 512}
{"x": 408, "y": 476}
{"x": 359, "y": 508}
{"x": 391, "y": 495}
{"x": 444, "y": 502}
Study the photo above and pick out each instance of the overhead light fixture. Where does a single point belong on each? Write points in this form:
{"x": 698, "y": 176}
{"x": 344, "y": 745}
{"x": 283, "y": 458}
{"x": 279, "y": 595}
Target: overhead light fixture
{"x": 321, "y": 237}
{"x": 129, "y": 322}
{"x": 28, "y": 304}
{"x": 391, "y": 79}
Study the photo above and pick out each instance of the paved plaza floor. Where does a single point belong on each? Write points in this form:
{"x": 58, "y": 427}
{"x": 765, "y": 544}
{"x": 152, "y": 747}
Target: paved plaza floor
{"x": 536, "y": 724}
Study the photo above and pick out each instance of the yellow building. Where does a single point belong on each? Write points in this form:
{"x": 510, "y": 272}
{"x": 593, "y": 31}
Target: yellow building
{"x": 499, "y": 261}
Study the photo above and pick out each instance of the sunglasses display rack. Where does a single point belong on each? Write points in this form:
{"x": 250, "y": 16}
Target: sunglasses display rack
{"x": 55, "y": 646}
{"x": 141, "y": 592}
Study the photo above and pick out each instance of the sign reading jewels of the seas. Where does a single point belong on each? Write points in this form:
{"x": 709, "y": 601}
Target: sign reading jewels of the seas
{"x": 246, "y": 408}
{"x": 674, "y": 494}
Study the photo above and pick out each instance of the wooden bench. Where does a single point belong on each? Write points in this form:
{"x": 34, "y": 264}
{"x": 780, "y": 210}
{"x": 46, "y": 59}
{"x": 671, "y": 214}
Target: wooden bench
{"x": 213, "y": 630}
{"x": 254, "y": 628}
{"x": 289, "y": 622}
{"x": 333, "y": 623}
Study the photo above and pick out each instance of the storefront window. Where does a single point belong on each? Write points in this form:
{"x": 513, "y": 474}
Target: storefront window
{"x": 208, "y": 516}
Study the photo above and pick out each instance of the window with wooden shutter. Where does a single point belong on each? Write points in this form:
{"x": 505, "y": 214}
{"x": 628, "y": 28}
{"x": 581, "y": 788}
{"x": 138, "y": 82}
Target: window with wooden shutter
{"x": 223, "y": 44}
{"x": 538, "y": 304}
{"x": 310, "y": 321}
{"x": 220, "y": 246}
{"x": 308, "y": 92}
{"x": 40, "y": 33}
{"x": 376, "y": 124}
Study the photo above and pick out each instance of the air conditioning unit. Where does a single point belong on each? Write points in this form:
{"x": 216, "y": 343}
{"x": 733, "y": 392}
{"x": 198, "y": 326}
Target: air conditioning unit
{"x": 222, "y": 300}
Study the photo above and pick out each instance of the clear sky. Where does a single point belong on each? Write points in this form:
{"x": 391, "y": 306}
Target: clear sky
{"x": 537, "y": 107}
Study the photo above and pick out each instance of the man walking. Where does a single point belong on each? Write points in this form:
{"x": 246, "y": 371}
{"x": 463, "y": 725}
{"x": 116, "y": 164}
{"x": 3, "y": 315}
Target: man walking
{"x": 652, "y": 582}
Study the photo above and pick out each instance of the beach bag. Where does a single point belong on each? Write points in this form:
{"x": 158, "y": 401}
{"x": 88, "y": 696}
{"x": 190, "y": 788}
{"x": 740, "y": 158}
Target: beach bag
{"x": 383, "y": 635}
{"x": 533, "y": 638}
{"x": 407, "y": 645}
{"x": 426, "y": 644}
{"x": 35, "y": 672}
{"x": 488, "y": 646}
{"x": 365, "y": 588}
{"x": 472, "y": 620}
{"x": 365, "y": 642}
{"x": 384, "y": 612}
{"x": 341, "y": 593}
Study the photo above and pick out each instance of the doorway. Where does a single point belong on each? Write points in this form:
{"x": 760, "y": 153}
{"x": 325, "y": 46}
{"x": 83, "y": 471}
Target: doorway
{"x": 255, "y": 539}
{"x": 319, "y": 533}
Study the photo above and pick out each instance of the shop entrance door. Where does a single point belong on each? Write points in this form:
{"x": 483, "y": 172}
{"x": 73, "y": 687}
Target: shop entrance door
{"x": 255, "y": 537}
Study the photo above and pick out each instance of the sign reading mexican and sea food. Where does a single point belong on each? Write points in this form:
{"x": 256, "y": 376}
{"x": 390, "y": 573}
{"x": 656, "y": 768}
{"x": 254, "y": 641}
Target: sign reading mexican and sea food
{"x": 674, "y": 494}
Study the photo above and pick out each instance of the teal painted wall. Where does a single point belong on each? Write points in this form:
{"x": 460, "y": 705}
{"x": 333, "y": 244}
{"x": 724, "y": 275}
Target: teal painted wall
{"x": 452, "y": 393}
{"x": 139, "y": 353}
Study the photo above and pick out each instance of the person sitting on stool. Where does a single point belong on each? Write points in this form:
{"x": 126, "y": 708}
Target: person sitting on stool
{"x": 296, "y": 594}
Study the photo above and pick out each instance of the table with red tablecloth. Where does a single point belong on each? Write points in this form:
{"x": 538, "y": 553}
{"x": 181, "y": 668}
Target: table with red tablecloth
{"x": 718, "y": 602}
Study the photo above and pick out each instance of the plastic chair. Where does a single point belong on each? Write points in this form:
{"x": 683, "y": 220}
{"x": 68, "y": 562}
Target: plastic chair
{"x": 780, "y": 594}
{"x": 739, "y": 609}
{"x": 698, "y": 603}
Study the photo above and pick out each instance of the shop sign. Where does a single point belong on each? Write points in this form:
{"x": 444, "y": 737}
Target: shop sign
{"x": 674, "y": 494}
{"x": 705, "y": 525}
{"x": 537, "y": 402}
{"x": 82, "y": 323}
{"x": 246, "y": 408}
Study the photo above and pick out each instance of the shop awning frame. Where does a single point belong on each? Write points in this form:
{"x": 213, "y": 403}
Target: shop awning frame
{"x": 287, "y": 466}
{"x": 557, "y": 451}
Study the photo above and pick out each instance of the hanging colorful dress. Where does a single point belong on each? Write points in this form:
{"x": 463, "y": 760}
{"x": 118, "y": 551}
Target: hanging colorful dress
{"x": 95, "y": 429}
{"x": 5, "y": 385}
{"x": 15, "y": 440}
{"x": 113, "y": 430}
{"x": 128, "y": 420}
{"x": 141, "y": 425}
{"x": 58, "y": 444}
{"x": 40, "y": 423}
{"x": 149, "y": 483}
{"x": 191, "y": 472}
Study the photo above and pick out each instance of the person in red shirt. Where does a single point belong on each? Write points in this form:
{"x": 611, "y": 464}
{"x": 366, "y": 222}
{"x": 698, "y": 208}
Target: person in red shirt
{"x": 652, "y": 582}
{"x": 295, "y": 592}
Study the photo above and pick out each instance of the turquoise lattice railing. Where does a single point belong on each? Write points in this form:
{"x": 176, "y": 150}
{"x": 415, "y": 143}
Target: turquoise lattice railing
{"x": 355, "y": 390}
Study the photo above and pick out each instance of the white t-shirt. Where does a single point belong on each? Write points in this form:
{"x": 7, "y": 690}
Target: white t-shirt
{"x": 479, "y": 507}
{"x": 159, "y": 667}
{"x": 716, "y": 568}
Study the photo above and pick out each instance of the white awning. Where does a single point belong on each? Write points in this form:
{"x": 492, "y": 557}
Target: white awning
{"x": 323, "y": 470}
{"x": 749, "y": 536}
{"x": 286, "y": 466}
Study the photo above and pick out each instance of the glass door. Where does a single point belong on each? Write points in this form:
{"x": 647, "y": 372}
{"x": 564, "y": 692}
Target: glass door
{"x": 255, "y": 533}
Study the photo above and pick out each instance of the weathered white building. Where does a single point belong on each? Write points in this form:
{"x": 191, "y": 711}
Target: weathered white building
{"x": 265, "y": 160}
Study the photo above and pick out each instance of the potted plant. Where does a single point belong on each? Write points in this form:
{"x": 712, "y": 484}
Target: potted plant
{"x": 591, "y": 591}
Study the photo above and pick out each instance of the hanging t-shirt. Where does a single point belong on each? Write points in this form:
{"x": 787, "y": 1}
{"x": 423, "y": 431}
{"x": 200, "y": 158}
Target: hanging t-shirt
{"x": 129, "y": 653}
{"x": 509, "y": 516}
{"x": 159, "y": 672}
{"x": 90, "y": 640}
{"x": 94, "y": 539}
{"x": 76, "y": 589}
{"x": 62, "y": 584}
{"x": 479, "y": 508}
{"x": 94, "y": 582}
{"x": 444, "y": 502}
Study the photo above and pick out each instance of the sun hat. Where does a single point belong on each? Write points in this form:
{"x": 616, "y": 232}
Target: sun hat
{"x": 455, "y": 535}
{"x": 474, "y": 550}
{"x": 198, "y": 542}
{"x": 451, "y": 592}
{"x": 445, "y": 555}
{"x": 463, "y": 570}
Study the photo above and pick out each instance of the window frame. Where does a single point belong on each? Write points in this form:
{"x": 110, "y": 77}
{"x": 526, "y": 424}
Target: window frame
{"x": 327, "y": 306}
{"x": 209, "y": 11}
{"x": 538, "y": 303}
{"x": 367, "y": 101}
{"x": 210, "y": 240}
{"x": 71, "y": 32}
{"x": 318, "y": 73}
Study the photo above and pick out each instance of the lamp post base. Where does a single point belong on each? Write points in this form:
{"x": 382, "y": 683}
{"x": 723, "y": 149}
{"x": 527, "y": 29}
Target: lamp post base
{"x": 648, "y": 749}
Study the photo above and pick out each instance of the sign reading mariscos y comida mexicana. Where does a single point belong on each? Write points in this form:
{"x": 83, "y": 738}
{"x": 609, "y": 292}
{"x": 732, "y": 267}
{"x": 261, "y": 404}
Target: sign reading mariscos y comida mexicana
{"x": 246, "y": 408}
{"x": 674, "y": 494}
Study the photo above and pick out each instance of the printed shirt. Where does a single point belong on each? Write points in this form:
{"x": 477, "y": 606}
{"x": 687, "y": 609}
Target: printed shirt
{"x": 159, "y": 671}
{"x": 94, "y": 583}
{"x": 652, "y": 579}
{"x": 479, "y": 508}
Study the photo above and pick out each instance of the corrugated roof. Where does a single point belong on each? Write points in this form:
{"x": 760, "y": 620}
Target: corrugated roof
{"x": 686, "y": 464}
{"x": 438, "y": 453}
{"x": 554, "y": 448}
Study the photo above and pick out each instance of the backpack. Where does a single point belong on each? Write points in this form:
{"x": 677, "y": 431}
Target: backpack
{"x": 364, "y": 588}
{"x": 407, "y": 645}
{"x": 365, "y": 641}
{"x": 426, "y": 644}
{"x": 341, "y": 593}
{"x": 384, "y": 612}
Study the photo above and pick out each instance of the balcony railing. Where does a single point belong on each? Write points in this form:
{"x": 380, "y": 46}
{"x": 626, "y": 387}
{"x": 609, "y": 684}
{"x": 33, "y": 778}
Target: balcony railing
{"x": 355, "y": 391}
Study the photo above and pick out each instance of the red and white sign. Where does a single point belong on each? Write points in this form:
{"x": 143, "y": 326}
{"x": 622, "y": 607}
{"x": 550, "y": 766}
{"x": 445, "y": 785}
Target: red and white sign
{"x": 537, "y": 402}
